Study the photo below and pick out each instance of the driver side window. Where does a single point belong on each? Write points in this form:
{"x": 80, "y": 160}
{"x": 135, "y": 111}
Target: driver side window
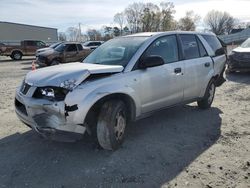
{"x": 166, "y": 47}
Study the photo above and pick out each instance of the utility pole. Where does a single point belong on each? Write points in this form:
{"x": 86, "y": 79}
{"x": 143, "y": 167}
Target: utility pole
{"x": 80, "y": 33}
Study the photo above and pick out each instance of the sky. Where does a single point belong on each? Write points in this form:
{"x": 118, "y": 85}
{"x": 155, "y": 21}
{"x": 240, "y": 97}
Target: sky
{"x": 94, "y": 14}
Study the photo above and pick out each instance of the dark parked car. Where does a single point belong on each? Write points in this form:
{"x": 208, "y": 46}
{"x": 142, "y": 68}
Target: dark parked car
{"x": 239, "y": 59}
{"x": 53, "y": 46}
{"x": 64, "y": 53}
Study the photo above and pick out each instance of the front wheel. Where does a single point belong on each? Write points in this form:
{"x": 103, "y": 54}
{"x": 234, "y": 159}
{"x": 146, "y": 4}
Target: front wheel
{"x": 111, "y": 124}
{"x": 55, "y": 62}
{"x": 208, "y": 98}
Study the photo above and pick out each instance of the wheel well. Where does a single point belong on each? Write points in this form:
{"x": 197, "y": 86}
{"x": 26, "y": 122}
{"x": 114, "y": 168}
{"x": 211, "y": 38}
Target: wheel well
{"x": 128, "y": 101}
{"x": 57, "y": 59}
{"x": 215, "y": 77}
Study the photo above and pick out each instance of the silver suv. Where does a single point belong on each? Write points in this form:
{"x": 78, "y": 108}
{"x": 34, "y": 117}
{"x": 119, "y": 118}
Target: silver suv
{"x": 125, "y": 79}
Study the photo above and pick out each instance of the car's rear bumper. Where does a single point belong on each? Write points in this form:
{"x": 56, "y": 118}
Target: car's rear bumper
{"x": 47, "y": 118}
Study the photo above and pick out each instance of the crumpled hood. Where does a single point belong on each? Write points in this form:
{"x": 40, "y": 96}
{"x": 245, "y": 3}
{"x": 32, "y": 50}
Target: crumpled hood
{"x": 47, "y": 52}
{"x": 55, "y": 75}
{"x": 240, "y": 49}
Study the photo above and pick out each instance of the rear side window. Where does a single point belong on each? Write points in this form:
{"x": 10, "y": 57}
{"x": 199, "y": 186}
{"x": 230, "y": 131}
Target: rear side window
{"x": 97, "y": 44}
{"x": 30, "y": 43}
{"x": 214, "y": 44}
{"x": 190, "y": 46}
{"x": 203, "y": 52}
{"x": 166, "y": 47}
{"x": 71, "y": 48}
{"x": 79, "y": 46}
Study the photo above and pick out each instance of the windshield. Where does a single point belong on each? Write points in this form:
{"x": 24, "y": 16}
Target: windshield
{"x": 246, "y": 44}
{"x": 117, "y": 51}
{"x": 55, "y": 45}
{"x": 60, "y": 48}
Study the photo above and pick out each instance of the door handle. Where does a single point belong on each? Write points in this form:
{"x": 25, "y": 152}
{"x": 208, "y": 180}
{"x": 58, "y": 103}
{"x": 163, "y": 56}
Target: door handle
{"x": 207, "y": 64}
{"x": 177, "y": 70}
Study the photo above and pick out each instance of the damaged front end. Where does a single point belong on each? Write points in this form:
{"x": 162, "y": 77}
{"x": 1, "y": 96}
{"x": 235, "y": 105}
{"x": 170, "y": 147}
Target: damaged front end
{"x": 40, "y": 101}
{"x": 44, "y": 110}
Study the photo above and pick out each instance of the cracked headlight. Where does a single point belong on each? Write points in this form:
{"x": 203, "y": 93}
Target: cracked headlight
{"x": 68, "y": 84}
{"x": 48, "y": 92}
{"x": 51, "y": 93}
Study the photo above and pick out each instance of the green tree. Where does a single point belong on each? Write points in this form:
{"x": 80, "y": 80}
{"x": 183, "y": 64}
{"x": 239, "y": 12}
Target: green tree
{"x": 167, "y": 16}
{"x": 116, "y": 31}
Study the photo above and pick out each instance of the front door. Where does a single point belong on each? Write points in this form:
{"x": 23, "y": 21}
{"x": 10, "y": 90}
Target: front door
{"x": 163, "y": 85}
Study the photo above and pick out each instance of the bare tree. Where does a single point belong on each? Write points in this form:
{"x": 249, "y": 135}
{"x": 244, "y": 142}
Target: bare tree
{"x": 133, "y": 15}
{"x": 72, "y": 33}
{"x": 151, "y": 18}
{"x": 62, "y": 36}
{"x": 167, "y": 16}
{"x": 93, "y": 34}
{"x": 189, "y": 21}
{"x": 120, "y": 19}
{"x": 219, "y": 22}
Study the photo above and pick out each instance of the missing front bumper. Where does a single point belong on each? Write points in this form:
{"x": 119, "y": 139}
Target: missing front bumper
{"x": 48, "y": 118}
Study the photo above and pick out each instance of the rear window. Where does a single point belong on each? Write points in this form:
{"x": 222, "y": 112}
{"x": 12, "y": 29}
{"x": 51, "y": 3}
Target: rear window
{"x": 30, "y": 43}
{"x": 203, "y": 52}
{"x": 71, "y": 48}
{"x": 190, "y": 46}
{"x": 214, "y": 44}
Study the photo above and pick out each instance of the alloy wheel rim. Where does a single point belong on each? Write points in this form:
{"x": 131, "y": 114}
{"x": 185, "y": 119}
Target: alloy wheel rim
{"x": 17, "y": 56}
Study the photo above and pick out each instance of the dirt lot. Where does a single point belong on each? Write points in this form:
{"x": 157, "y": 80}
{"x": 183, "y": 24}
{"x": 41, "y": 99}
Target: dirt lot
{"x": 178, "y": 147}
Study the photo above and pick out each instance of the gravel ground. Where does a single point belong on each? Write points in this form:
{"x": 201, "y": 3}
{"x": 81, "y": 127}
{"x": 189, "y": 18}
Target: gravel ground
{"x": 177, "y": 147}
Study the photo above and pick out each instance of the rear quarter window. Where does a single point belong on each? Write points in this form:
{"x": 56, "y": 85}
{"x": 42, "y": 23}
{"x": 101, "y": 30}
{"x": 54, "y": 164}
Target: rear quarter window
{"x": 189, "y": 46}
{"x": 215, "y": 44}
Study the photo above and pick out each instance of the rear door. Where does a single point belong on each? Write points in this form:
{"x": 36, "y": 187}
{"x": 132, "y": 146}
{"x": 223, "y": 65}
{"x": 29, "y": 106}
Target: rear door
{"x": 162, "y": 86}
{"x": 71, "y": 53}
{"x": 198, "y": 65}
{"x": 219, "y": 56}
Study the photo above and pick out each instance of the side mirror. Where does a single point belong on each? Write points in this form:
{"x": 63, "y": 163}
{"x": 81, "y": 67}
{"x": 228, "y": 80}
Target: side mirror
{"x": 151, "y": 61}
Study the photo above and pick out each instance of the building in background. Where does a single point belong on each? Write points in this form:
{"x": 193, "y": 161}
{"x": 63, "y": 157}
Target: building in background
{"x": 15, "y": 32}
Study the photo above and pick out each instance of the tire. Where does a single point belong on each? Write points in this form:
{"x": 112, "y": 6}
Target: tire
{"x": 55, "y": 62}
{"x": 16, "y": 55}
{"x": 111, "y": 124}
{"x": 208, "y": 98}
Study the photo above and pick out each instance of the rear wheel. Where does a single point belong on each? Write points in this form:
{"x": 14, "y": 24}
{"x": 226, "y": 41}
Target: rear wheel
{"x": 111, "y": 124}
{"x": 208, "y": 98}
{"x": 16, "y": 55}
